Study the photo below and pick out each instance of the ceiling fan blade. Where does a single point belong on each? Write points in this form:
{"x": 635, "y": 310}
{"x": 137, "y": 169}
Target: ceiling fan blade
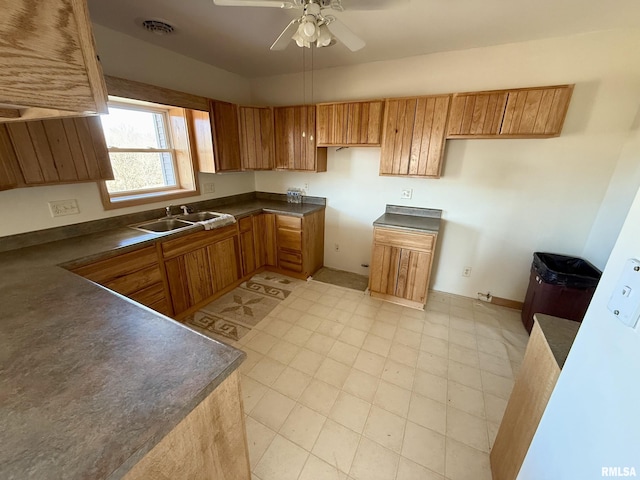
{"x": 255, "y": 3}
{"x": 346, "y": 36}
{"x": 372, "y": 4}
{"x": 285, "y": 37}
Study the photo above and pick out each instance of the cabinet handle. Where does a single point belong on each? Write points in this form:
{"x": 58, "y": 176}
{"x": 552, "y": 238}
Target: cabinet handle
{"x": 311, "y": 138}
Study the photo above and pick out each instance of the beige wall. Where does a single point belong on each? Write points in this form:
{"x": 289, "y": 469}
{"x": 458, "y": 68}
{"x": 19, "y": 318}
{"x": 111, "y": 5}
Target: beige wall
{"x": 502, "y": 199}
{"x": 26, "y": 209}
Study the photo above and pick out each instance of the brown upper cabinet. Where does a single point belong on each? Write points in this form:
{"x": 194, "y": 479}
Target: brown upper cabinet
{"x": 257, "y": 145}
{"x": 295, "y": 129}
{"x": 349, "y": 123}
{"x": 226, "y": 136}
{"x": 413, "y": 136}
{"x": 49, "y": 63}
{"x": 53, "y": 151}
{"x": 520, "y": 113}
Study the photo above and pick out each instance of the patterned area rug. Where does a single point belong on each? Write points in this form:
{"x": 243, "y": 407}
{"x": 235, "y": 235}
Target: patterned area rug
{"x": 233, "y": 315}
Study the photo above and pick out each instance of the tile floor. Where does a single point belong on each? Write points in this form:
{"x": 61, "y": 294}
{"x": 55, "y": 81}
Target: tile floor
{"x": 338, "y": 385}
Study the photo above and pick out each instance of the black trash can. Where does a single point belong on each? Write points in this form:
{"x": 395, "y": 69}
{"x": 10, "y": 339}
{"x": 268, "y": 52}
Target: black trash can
{"x": 559, "y": 285}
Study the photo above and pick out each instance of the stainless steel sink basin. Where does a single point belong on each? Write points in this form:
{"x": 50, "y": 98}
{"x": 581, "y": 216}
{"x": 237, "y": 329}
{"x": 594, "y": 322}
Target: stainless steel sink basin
{"x": 199, "y": 216}
{"x": 164, "y": 225}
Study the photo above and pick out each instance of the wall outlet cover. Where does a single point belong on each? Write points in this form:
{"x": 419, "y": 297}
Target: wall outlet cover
{"x": 625, "y": 298}
{"x": 60, "y": 208}
{"x": 407, "y": 193}
{"x": 208, "y": 187}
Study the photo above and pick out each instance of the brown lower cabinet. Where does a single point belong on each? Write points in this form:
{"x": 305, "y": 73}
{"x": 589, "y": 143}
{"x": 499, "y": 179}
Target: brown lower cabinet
{"x": 179, "y": 275}
{"x": 201, "y": 264}
{"x": 401, "y": 265}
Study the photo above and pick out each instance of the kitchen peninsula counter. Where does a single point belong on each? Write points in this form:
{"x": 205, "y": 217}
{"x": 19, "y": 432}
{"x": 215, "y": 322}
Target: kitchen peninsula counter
{"x": 92, "y": 381}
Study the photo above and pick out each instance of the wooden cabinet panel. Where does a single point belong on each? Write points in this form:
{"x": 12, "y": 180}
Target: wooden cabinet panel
{"x": 257, "y": 142}
{"x": 51, "y": 50}
{"x": 352, "y": 123}
{"x": 119, "y": 266}
{"x": 59, "y": 151}
{"x": 226, "y": 136}
{"x": 536, "y": 112}
{"x": 224, "y": 260}
{"x": 8, "y": 161}
{"x": 247, "y": 247}
{"x": 199, "y": 278}
{"x": 286, "y": 221}
{"x": 193, "y": 241}
{"x": 476, "y": 114}
{"x": 289, "y": 239}
{"x": 401, "y": 266}
{"x": 270, "y": 240}
{"x": 295, "y": 142}
{"x": 199, "y": 124}
{"x": 135, "y": 282}
{"x": 413, "y": 136}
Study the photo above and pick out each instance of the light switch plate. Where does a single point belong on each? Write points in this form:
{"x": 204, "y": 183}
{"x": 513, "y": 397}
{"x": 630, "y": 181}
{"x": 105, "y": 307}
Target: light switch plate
{"x": 625, "y": 299}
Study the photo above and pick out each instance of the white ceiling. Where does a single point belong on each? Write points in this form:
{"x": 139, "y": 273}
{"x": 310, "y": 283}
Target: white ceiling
{"x": 237, "y": 39}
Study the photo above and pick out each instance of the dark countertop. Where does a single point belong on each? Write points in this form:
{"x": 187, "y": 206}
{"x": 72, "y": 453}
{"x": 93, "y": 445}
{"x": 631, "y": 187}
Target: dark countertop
{"x": 410, "y": 218}
{"x": 90, "y": 381}
{"x": 559, "y": 333}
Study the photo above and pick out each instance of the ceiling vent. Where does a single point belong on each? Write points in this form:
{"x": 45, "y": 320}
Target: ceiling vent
{"x": 158, "y": 27}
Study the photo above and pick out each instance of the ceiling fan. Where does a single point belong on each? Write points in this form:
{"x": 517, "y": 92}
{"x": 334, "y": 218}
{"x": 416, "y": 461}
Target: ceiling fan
{"x": 314, "y": 27}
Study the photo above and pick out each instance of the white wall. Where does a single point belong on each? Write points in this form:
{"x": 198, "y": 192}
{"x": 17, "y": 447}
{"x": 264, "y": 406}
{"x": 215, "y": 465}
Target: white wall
{"x": 502, "y": 199}
{"x": 26, "y": 209}
{"x": 592, "y": 418}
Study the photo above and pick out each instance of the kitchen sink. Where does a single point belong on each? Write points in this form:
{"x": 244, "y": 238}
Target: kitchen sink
{"x": 164, "y": 225}
{"x": 199, "y": 216}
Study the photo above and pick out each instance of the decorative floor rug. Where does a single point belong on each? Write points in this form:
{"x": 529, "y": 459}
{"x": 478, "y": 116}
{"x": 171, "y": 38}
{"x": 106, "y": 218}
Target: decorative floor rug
{"x": 234, "y": 314}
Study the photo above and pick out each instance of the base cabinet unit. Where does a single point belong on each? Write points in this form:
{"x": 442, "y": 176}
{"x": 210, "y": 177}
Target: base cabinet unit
{"x": 136, "y": 274}
{"x": 413, "y": 136}
{"x": 210, "y": 442}
{"x": 300, "y": 243}
{"x": 200, "y": 265}
{"x": 401, "y": 265}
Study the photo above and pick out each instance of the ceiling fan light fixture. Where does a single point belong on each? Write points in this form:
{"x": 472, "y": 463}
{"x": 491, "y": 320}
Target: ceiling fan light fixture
{"x": 324, "y": 36}
{"x": 307, "y": 32}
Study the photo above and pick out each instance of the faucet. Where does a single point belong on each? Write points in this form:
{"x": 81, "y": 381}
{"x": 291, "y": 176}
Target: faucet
{"x": 186, "y": 210}
{"x": 167, "y": 209}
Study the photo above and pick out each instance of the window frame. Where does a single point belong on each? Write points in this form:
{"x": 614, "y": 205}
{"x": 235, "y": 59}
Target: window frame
{"x": 183, "y": 159}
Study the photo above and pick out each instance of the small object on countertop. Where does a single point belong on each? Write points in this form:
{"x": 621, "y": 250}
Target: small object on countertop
{"x": 222, "y": 221}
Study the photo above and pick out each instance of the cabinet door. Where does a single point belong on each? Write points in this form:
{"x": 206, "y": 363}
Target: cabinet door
{"x": 295, "y": 140}
{"x": 226, "y": 136}
{"x": 264, "y": 236}
{"x": 190, "y": 279}
{"x": 332, "y": 123}
{"x": 364, "y": 123}
{"x": 384, "y": 269}
{"x": 476, "y": 114}
{"x": 427, "y": 143}
{"x": 247, "y": 245}
{"x": 51, "y": 50}
{"x": 413, "y": 275}
{"x": 224, "y": 261}
{"x": 257, "y": 146}
{"x": 396, "y": 137}
{"x": 8, "y": 161}
{"x": 60, "y": 151}
{"x": 536, "y": 112}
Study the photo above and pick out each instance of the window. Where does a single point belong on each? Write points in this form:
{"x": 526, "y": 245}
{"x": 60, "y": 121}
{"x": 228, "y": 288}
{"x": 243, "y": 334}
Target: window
{"x": 149, "y": 152}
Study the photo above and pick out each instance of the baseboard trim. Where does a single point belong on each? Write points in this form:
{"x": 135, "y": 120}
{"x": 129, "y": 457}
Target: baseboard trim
{"x": 505, "y": 302}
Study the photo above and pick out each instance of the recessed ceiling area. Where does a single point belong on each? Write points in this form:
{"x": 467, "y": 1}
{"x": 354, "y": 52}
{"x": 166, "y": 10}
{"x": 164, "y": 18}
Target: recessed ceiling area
{"x": 237, "y": 39}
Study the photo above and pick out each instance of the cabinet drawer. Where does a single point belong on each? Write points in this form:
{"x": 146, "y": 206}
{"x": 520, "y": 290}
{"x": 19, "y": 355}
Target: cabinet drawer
{"x": 245, "y": 224}
{"x": 194, "y": 241}
{"x": 290, "y": 239}
{"x": 294, "y": 223}
{"x": 150, "y": 295}
{"x": 290, "y": 257}
{"x": 133, "y": 282}
{"x": 294, "y": 267}
{"x": 112, "y": 268}
{"x": 405, "y": 239}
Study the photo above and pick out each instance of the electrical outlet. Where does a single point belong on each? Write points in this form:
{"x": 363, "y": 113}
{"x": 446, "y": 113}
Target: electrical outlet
{"x": 466, "y": 272}
{"x": 336, "y": 247}
{"x": 60, "y": 208}
{"x": 208, "y": 187}
{"x": 407, "y": 193}
{"x": 305, "y": 187}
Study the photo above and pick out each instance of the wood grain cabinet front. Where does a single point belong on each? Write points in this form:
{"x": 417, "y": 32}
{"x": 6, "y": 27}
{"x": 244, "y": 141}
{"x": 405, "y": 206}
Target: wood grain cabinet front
{"x": 137, "y": 275}
{"x": 300, "y": 243}
{"x": 295, "y": 140}
{"x": 349, "y": 123}
{"x": 413, "y": 136}
{"x": 257, "y": 141}
{"x": 49, "y": 63}
{"x": 401, "y": 266}
{"x": 537, "y": 112}
{"x": 200, "y": 265}
{"x": 56, "y": 151}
